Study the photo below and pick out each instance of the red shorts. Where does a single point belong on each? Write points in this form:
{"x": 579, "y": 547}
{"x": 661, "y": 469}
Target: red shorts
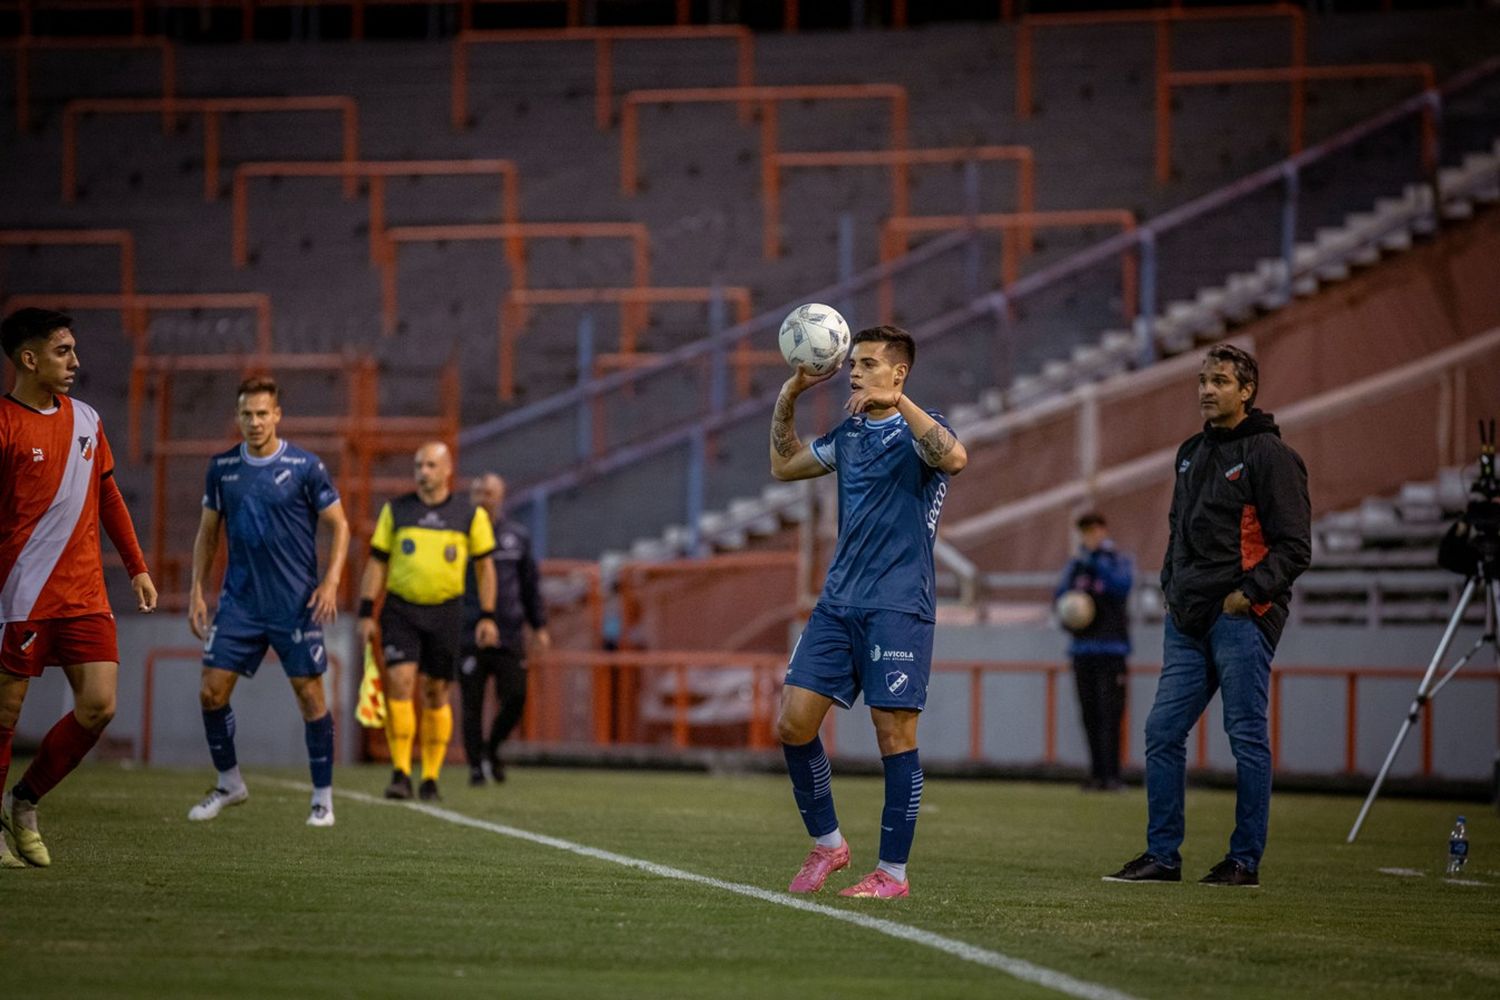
{"x": 26, "y": 648}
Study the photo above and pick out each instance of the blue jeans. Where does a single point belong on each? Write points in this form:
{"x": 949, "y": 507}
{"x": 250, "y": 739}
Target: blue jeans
{"x": 1234, "y": 658}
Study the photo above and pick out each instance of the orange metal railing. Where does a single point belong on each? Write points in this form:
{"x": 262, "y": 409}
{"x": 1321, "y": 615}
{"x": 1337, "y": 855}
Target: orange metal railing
{"x": 375, "y": 172}
{"x": 897, "y": 160}
{"x": 517, "y": 304}
{"x": 1013, "y": 226}
{"x": 1162, "y": 18}
{"x": 82, "y": 237}
{"x": 211, "y": 108}
{"x": 616, "y": 678}
{"x": 24, "y": 46}
{"x": 604, "y": 40}
{"x": 135, "y": 311}
{"x": 515, "y": 236}
{"x": 1297, "y": 76}
{"x": 769, "y": 99}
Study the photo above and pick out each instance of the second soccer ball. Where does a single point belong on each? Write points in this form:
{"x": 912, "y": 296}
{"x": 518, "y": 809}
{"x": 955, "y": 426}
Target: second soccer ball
{"x": 816, "y": 337}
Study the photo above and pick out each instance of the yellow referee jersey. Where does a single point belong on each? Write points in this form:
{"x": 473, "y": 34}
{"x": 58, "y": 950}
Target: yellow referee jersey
{"x": 428, "y": 548}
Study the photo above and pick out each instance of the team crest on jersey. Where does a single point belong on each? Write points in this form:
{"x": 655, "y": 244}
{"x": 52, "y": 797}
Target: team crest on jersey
{"x": 1234, "y": 474}
{"x": 282, "y": 476}
{"x": 450, "y": 553}
{"x": 895, "y": 681}
{"x": 86, "y": 448}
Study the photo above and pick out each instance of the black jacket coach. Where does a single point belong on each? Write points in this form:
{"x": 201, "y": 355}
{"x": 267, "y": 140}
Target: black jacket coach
{"x": 1240, "y": 519}
{"x": 518, "y": 595}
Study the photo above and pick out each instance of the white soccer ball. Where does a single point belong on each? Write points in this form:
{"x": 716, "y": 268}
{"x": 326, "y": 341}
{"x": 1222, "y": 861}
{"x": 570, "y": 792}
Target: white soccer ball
{"x": 1075, "y": 610}
{"x": 816, "y": 337}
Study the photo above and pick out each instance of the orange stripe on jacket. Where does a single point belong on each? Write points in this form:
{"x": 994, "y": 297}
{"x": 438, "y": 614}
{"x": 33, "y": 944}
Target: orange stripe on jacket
{"x": 1252, "y": 548}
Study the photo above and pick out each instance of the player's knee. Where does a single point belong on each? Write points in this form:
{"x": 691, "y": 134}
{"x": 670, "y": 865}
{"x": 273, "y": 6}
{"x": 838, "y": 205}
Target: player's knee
{"x": 211, "y": 699}
{"x": 792, "y": 731}
{"x": 94, "y": 716}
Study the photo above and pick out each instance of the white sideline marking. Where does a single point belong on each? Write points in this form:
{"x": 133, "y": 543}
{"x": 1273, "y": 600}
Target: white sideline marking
{"x": 1019, "y": 968}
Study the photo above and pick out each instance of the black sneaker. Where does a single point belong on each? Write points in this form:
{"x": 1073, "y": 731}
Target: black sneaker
{"x": 400, "y": 786}
{"x": 428, "y": 792}
{"x": 1145, "y": 869}
{"x": 1231, "y": 872}
{"x": 497, "y": 766}
{"x": 476, "y": 777}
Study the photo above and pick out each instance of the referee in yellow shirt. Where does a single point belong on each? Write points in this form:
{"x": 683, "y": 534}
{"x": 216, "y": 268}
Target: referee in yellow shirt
{"x": 422, "y": 544}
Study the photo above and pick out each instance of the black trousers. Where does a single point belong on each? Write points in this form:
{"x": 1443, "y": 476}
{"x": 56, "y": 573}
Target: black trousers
{"x": 1101, "y": 697}
{"x": 508, "y": 668}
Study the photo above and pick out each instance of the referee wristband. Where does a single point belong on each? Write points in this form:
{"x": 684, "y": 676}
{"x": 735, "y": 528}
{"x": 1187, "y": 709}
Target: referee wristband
{"x": 487, "y": 616}
{"x": 366, "y": 608}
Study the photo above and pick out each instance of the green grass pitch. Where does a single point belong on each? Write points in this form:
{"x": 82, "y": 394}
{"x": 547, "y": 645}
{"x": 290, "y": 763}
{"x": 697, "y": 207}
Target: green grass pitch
{"x": 394, "y": 902}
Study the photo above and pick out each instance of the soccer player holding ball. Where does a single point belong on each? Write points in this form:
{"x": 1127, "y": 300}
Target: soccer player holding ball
{"x": 58, "y": 475}
{"x": 871, "y": 630}
{"x": 268, "y": 496}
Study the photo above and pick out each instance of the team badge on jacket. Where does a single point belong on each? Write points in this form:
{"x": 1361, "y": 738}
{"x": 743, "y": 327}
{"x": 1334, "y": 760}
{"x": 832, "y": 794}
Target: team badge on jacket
{"x": 1234, "y": 474}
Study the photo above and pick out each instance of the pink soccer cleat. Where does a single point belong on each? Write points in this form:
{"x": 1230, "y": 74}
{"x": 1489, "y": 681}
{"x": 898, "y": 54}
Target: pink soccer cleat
{"x": 821, "y": 863}
{"x": 878, "y": 885}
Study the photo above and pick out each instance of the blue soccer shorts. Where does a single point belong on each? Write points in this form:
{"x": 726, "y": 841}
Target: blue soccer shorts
{"x": 885, "y": 654}
{"x": 237, "y": 643}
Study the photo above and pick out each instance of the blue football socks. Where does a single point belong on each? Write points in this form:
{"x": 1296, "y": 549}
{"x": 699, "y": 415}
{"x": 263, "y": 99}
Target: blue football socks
{"x": 320, "y": 750}
{"x": 811, "y": 775}
{"x": 903, "y": 800}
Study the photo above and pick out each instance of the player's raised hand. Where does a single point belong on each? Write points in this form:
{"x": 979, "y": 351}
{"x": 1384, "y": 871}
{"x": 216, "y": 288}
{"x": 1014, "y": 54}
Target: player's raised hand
{"x": 324, "y": 602}
{"x": 803, "y": 379}
{"x": 872, "y": 398}
{"x": 145, "y": 593}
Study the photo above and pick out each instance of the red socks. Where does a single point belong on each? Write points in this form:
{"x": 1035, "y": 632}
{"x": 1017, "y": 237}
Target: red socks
{"x": 64, "y": 746}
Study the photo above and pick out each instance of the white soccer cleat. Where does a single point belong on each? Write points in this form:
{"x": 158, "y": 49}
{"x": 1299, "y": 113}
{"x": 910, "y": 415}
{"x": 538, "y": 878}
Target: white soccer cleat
{"x": 216, "y": 801}
{"x": 320, "y": 815}
{"x": 19, "y": 820}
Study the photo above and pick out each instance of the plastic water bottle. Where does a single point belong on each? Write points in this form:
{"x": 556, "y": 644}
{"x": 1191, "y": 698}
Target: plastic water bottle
{"x": 1458, "y": 847}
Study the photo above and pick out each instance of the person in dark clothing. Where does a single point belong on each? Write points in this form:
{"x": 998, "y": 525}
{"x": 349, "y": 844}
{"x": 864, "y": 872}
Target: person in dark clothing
{"x": 1099, "y": 648}
{"x": 1239, "y": 533}
{"x": 518, "y": 604}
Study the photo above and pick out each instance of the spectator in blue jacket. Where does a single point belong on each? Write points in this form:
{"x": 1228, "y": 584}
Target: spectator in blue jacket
{"x": 1099, "y": 648}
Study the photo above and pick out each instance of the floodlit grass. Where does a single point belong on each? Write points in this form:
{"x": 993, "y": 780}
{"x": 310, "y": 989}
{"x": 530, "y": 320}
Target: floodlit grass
{"x": 393, "y": 902}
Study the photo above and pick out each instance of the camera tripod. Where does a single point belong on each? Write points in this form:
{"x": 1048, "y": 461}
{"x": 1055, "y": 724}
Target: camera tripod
{"x": 1483, "y": 583}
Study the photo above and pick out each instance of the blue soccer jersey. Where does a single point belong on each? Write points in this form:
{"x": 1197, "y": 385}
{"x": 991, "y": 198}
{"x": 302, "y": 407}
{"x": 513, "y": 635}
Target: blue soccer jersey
{"x": 270, "y": 508}
{"x": 889, "y": 503}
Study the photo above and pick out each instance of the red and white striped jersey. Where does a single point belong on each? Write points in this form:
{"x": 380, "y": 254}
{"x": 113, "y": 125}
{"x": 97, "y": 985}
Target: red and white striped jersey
{"x": 51, "y": 465}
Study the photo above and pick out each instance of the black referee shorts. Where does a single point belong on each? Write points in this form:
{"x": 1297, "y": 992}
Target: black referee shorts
{"x": 428, "y": 634}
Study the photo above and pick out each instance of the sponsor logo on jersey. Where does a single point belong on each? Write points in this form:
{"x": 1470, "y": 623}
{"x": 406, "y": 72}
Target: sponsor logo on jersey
{"x": 431, "y": 519}
{"x": 37, "y": 456}
{"x": 1234, "y": 474}
{"x": 877, "y": 654}
{"x": 935, "y": 511}
{"x": 895, "y": 681}
{"x": 1183, "y": 465}
{"x": 233, "y": 477}
{"x": 296, "y": 635}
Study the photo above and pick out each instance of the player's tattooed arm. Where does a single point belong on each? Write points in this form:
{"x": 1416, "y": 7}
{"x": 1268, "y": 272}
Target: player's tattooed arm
{"x": 784, "y": 440}
{"x": 936, "y": 445}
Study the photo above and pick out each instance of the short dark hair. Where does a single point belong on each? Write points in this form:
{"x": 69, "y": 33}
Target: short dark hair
{"x": 1087, "y": 521}
{"x": 1246, "y": 371}
{"x": 257, "y": 384}
{"x": 905, "y": 346}
{"x": 25, "y": 325}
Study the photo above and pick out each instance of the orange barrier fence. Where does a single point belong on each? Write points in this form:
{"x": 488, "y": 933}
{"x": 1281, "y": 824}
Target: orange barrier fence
{"x": 25, "y": 46}
{"x": 375, "y": 173}
{"x": 135, "y": 311}
{"x": 616, "y": 721}
{"x": 1297, "y": 76}
{"x": 769, "y": 99}
{"x": 604, "y": 40}
{"x": 1014, "y": 226}
{"x": 515, "y": 236}
{"x": 1162, "y": 18}
{"x": 518, "y": 302}
{"x": 194, "y": 656}
{"x": 81, "y": 237}
{"x": 898, "y": 160}
{"x": 211, "y": 108}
